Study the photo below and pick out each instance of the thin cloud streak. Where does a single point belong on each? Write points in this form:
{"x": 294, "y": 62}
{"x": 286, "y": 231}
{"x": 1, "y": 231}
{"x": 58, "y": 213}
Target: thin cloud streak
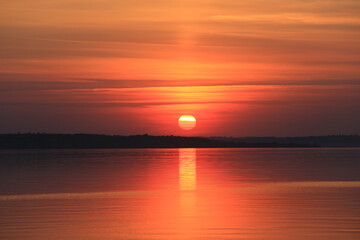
{"x": 88, "y": 83}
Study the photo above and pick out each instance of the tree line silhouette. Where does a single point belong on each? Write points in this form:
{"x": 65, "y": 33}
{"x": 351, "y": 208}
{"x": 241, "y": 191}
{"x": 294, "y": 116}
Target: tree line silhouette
{"x": 94, "y": 141}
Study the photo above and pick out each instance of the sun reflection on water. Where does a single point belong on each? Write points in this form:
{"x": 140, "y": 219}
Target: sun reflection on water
{"x": 187, "y": 169}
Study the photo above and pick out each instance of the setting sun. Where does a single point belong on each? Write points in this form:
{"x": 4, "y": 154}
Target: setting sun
{"x": 187, "y": 122}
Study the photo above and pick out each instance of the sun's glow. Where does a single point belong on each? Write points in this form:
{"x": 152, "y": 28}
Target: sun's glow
{"x": 187, "y": 122}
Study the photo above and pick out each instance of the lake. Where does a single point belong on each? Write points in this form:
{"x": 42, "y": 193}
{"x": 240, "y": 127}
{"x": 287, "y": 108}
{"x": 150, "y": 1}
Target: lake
{"x": 291, "y": 194}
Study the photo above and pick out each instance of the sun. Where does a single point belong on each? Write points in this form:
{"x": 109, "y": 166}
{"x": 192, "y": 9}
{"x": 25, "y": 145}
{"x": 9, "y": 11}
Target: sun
{"x": 187, "y": 122}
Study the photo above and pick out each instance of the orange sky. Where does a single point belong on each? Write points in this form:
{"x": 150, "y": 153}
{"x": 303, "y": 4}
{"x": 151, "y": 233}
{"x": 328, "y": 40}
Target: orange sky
{"x": 242, "y": 68}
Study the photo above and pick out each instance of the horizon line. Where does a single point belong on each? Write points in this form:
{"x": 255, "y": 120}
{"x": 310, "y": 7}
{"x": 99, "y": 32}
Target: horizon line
{"x": 171, "y": 135}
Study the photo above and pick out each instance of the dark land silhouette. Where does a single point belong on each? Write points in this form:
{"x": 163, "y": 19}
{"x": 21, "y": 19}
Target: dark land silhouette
{"x": 322, "y": 141}
{"x": 94, "y": 141}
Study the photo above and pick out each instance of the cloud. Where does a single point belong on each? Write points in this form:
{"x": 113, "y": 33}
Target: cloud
{"x": 290, "y": 18}
{"x": 37, "y": 82}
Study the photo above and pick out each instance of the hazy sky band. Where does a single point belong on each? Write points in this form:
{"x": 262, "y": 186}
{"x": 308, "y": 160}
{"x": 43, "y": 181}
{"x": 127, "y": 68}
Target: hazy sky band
{"x": 130, "y": 67}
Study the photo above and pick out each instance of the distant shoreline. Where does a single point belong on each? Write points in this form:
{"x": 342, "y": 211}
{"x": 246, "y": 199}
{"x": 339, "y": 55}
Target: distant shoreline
{"x": 98, "y": 141}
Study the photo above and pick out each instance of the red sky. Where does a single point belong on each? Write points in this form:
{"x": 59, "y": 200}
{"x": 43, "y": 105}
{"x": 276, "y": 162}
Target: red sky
{"x": 242, "y": 68}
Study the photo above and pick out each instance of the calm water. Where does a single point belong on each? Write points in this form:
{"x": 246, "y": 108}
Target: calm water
{"x": 292, "y": 194}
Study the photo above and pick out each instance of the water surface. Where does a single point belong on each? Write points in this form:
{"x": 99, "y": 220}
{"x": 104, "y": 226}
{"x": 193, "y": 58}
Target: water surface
{"x": 290, "y": 194}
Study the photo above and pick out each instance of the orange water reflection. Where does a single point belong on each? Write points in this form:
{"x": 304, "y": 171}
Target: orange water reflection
{"x": 187, "y": 168}
{"x": 186, "y": 194}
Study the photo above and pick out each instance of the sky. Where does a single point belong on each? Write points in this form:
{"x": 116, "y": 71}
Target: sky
{"x": 242, "y": 68}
